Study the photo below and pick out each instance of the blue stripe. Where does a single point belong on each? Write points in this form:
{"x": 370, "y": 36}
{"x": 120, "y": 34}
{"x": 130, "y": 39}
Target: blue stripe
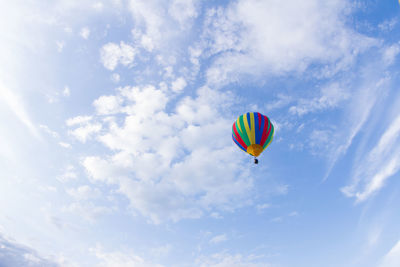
{"x": 260, "y": 131}
{"x": 239, "y": 145}
{"x": 248, "y": 120}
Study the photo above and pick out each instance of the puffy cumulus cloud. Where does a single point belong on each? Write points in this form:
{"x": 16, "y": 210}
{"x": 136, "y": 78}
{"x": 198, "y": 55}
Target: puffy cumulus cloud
{"x": 85, "y": 32}
{"x": 379, "y": 164}
{"x": 257, "y": 37}
{"x": 112, "y": 54}
{"x": 115, "y": 77}
{"x": 14, "y": 254}
{"x": 78, "y": 120}
{"x": 85, "y": 128}
{"x": 225, "y": 259}
{"x": 179, "y": 84}
{"x": 69, "y": 174}
{"x": 107, "y": 105}
{"x": 120, "y": 259}
{"x": 171, "y": 165}
{"x": 85, "y": 132}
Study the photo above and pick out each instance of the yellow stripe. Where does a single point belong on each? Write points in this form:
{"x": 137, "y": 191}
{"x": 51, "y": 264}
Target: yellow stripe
{"x": 238, "y": 125}
{"x": 246, "y": 125}
{"x": 253, "y": 131}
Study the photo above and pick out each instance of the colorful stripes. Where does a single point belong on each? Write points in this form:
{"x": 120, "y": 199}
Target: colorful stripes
{"x": 252, "y": 128}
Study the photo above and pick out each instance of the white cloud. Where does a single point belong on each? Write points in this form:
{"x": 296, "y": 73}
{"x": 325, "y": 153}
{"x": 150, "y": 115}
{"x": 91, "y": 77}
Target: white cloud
{"x": 254, "y": 37}
{"x": 293, "y": 214}
{"x": 322, "y": 140}
{"x": 216, "y": 215}
{"x": 16, "y": 105}
{"x": 54, "y": 96}
{"x": 366, "y": 93}
{"x": 112, "y": 54}
{"x": 197, "y": 168}
{"x": 178, "y": 85}
{"x": 330, "y": 97}
{"x": 87, "y": 210}
{"x": 378, "y": 165}
{"x": 78, "y": 120}
{"x": 101, "y": 170}
{"x": 183, "y": 10}
{"x": 225, "y": 259}
{"x": 68, "y": 175}
{"x": 115, "y": 77}
{"x": 262, "y": 207}
{"x": 390, "y": 53}
{"x": 85, "y": 132}
{"x": 107, "y": 105}
{"x": 160, "y": 24}
{"x": 120, "y": 259}
{"x": 392, "y": 258}
{"x": 388, "y": 25}
{"x": 161, "y": 251}
{"x": 85, "y": 127}
{"x": 218, "y": 239}
{"x": 15, "y": 254}
{"x": 64, "y": 145}
{"x": 68, "y": 29}
{"x": 149, "y": 15}
{"x": 49, "y": 131}
{"x": 281, "y": 101}
{"x": 66, "y": 92}
{"x": 60, "y": 46}
{"x": 83, "y": 192}
{"x": 85, "y": 32}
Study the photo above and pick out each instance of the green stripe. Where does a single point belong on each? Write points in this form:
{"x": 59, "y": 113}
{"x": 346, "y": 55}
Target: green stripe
{"x": 271, "y": 134}
{"x": 244, "y": 133}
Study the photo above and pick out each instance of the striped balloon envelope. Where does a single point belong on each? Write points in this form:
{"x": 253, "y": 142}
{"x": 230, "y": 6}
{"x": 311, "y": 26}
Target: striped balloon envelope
{"x": 252, "y": 132}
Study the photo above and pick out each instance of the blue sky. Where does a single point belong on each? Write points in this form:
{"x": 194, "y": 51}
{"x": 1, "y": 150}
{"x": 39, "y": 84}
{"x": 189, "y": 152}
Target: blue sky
{"x": 115, "y": 141}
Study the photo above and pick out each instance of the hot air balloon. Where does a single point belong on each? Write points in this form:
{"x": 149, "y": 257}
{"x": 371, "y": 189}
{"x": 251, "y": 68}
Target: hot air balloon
{"x": 252, "y": 132}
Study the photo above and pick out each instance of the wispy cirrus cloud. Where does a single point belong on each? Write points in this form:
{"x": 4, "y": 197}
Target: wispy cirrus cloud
{"x": 15, "y": 103}
{"x": 379, "y": 164}
{"x": 392, "y": 258}
{"x": 218, "y": 239}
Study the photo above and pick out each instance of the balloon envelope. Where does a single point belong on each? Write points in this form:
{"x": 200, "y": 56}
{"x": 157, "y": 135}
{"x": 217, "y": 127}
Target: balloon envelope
{"x": 252, "y": 132}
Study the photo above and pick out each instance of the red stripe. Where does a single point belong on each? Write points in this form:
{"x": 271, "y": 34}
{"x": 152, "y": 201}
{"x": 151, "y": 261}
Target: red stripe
{"x": 264, "y": 132}
{"x": 259, "y": 120}
{"x": 238, "y": 137}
